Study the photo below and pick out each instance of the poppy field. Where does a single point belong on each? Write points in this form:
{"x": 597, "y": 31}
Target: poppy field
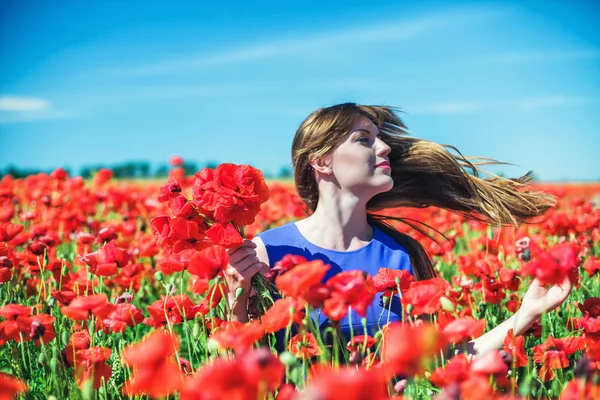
{"x": 112, "y": 289}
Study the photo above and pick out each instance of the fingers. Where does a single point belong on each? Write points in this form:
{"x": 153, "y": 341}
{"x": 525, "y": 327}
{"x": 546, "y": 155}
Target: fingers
{"x": 245, "y": 269}
{"x": 240, "y": 253}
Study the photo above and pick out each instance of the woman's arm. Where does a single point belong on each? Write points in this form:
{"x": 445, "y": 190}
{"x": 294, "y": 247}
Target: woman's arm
{"x": 536, "y": 301}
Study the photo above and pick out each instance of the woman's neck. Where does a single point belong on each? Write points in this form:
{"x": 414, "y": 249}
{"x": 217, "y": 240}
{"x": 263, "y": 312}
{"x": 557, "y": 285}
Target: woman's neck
{"x": 338, "y": 223}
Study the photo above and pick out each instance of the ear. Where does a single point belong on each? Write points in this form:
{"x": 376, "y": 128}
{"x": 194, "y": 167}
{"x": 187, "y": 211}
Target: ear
{"x": 322, "y": 164}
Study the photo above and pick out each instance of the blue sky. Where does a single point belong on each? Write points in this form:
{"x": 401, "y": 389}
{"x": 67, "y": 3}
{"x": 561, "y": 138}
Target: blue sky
{"x": 88, "y": 83}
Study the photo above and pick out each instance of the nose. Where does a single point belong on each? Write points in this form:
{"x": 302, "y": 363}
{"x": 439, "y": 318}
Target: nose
{"x": 382, "y": 148}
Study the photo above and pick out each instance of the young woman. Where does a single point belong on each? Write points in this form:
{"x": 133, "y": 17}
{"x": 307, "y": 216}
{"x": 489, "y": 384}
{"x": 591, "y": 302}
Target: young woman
{"x": 352, "y": 160}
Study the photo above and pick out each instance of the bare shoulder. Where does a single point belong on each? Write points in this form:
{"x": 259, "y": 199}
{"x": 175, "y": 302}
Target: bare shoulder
{"x": 261, "y": 250}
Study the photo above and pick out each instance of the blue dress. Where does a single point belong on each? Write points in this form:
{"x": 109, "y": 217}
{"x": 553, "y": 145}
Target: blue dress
{"x": 382, "y": 251}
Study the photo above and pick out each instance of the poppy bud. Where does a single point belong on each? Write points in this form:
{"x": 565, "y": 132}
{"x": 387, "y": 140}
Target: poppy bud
{"x": 158, "y": 276}
{"x": 87, "y": 391}
{"x": 212, "y": 346}
{"x": 288, "y": 359}
{"x": 196, "y": 331}
{"x": 41, "y": 358}
{"x": 238, "y": 292}
{"x": 446, "y": 304}
{"x": 65, "y": 337}
{"x": 53, "y": 364}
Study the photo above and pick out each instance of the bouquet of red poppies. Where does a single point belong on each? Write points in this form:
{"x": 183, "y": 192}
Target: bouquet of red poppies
{"x": 224, "y": 200}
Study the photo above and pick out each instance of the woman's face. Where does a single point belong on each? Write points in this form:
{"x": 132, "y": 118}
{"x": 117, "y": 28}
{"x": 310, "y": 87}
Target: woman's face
{"x": 360, "y": 161}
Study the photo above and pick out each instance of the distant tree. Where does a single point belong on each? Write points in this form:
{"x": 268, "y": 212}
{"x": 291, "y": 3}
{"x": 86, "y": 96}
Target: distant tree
{"x": 190, "y": 168}
{"x": 211, "y": 164}
{"x": 144, "y": 169}
{"x": 162, "y": 171}
{"x": 284, "y": 173}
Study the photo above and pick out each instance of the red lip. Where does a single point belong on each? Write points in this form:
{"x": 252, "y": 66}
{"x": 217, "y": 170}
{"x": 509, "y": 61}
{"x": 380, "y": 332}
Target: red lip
{"x": 383, "y": 164}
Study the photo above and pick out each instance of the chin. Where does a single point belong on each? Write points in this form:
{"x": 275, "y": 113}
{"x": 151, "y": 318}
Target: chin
{"x": 387, "y": 185}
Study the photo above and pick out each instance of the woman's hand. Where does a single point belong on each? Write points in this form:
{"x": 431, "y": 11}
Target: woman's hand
{"x": 538, "y": 299}
{"x": 243, "y": 265}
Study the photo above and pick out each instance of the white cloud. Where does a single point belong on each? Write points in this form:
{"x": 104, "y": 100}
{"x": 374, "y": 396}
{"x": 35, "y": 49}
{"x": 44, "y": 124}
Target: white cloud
{"x": 516, "y": 105}
{"x": 456, "y": 107}
{"x": 16, "y": 103}
{"x": 538, "y": 56}
{"x": 359, "y": 33}
{"x": 15, "y": 109}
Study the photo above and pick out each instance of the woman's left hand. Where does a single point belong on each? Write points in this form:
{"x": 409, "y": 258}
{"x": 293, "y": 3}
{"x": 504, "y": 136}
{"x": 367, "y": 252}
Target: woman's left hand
{"x": 538, "y": 299}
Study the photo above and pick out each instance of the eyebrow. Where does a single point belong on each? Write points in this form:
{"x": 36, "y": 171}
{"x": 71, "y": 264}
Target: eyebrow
{"x": 364, "y": 130}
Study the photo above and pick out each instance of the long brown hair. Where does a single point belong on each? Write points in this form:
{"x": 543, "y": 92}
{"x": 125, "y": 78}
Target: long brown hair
{"x": 424, "y": 173}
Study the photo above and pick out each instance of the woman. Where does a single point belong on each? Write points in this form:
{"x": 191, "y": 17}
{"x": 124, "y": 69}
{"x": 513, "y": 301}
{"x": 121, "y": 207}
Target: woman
{"x": 352, "y": 160}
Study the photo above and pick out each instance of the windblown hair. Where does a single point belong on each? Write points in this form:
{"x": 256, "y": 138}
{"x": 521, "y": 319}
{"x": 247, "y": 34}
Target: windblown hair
{"x": 424, "y": 173}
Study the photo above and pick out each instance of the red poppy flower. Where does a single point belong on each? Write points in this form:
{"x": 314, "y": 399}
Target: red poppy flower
{"x": 456, "y": 370}
{"x": 80, "y": 308}
{"x": 578, "y": 390}
{"x": 209, "y": 262}
{"x": 361, "y": 342}
{"x": 286, "y": 263}
{"x": 405, "y": 349}
{"x": 230, "y": 193}
{"x": 239, "y": 337}
{"x": 13, "y": 311}
{"x": 8, "y": 231}
{"x": 11, "y": 386}
{"x": 224, "y": 234}
{"x": 304, "y": 345}
{"x": 174, "y": 309}
{"x": 353, "y": 288}
{"x": 346, "y": 383}
{"x": 39, "y": 328}
{"x": 176, "y": 160}
{"x": 299, "y": 279}
{"x": 591, "y": 265}
{"x": 279, "y": 315}
{"x": 105, "y": 261}
{"x": 516, "y": 346}
{"x": 385, "y": 281}
{"x": 91, "y": 364}
{"x": 463, "y": 328}
{"x": 156, "y": 373}
{"x": 551, "y": 354}
{"x": 251, "y": 375}
{"x": 551, "y": 267}
{"x": 490, "y": 363}
{"x": 425, "y": 295}
{"x": 125, "y": 314}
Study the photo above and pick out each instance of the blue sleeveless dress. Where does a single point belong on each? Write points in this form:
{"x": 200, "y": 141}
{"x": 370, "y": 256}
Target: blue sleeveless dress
{"x": 382, "y": 251}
